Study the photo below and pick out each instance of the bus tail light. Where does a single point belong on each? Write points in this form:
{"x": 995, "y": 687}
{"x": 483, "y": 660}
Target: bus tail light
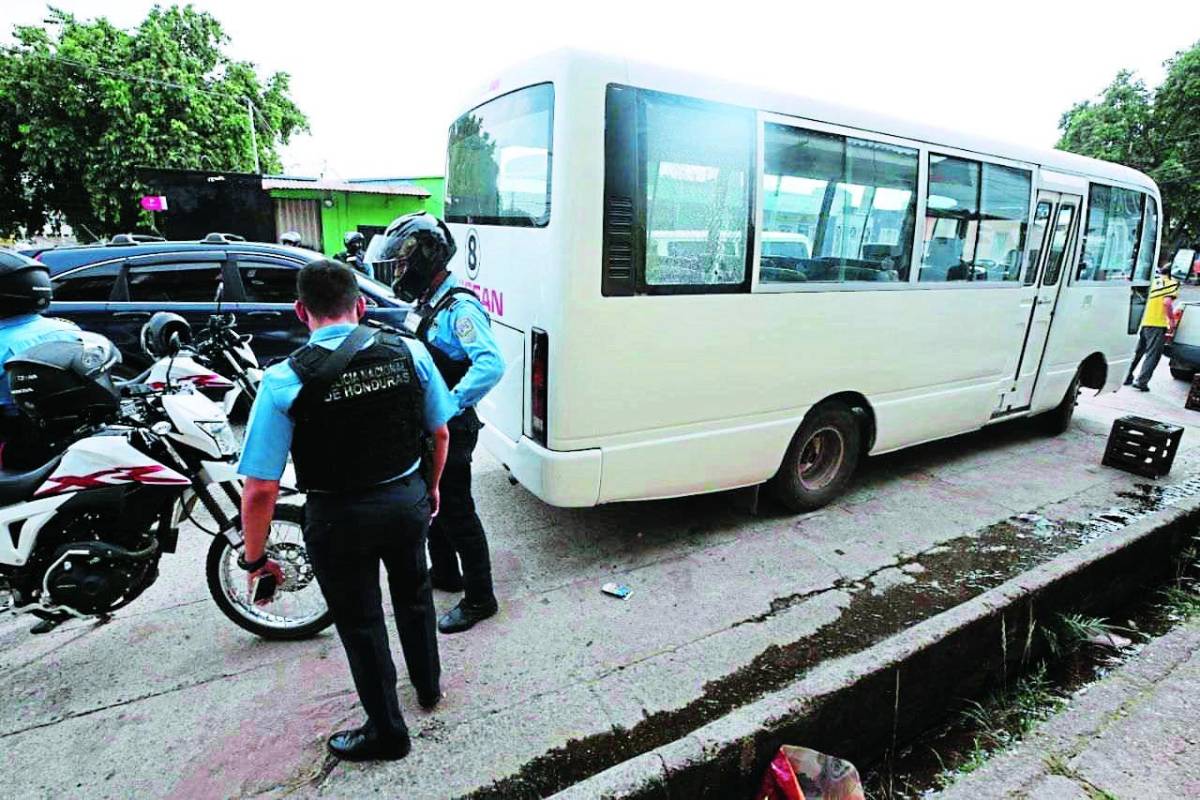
{"x": 539, "y": 376}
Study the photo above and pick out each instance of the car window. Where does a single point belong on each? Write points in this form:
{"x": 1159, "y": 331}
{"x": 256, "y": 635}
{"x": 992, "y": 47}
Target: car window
{"x": 91, "y": 284}
{"x": 266, "y": 284}
{"x": 174, "y": 283}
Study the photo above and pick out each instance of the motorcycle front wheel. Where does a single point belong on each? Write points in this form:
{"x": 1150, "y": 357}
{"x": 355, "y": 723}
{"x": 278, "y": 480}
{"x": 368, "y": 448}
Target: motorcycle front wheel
{"x": 298, "y": 610}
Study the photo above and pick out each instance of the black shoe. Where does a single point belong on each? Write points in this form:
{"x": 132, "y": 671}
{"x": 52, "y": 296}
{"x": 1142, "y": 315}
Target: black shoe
{"x": 429, "y": 701}
{"x": 1129, "y": 381}
{"x": 464, "y": 616}
{"x": 447, "y": 583}
{"x": 364, "y": 744}
{"x": 1141, "y": 387}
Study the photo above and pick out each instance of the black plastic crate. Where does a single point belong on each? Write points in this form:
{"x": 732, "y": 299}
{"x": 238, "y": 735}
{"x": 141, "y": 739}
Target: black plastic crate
{"x": 1142, "y": 446}
{"x": 1193, "y": 401}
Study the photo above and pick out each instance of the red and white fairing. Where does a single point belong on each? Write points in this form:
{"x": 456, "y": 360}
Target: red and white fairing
{"x": 185, "y": 369}
{"x": 100, "y": 461}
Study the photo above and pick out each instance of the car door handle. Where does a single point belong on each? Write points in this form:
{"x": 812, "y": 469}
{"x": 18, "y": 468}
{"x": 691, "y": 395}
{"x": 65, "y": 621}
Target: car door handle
{"x": 1043, "y": 301}
{"x": 263, "y": 314}
{"x": 132, "y": 315}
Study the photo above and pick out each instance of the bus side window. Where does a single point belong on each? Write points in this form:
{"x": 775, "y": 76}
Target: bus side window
{"x": 975, "y": 220}
{"x": 851, "y": 202}
{"x": 677, "y": 189}
{"x": 1110, "y": 250}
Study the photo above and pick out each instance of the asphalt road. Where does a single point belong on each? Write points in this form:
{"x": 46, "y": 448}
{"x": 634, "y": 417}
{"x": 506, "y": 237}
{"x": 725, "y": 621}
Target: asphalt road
{"x": 170, "y": 699}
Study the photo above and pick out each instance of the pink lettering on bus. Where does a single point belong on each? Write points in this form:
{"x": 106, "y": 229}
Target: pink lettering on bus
{"x": 492, "y": 300}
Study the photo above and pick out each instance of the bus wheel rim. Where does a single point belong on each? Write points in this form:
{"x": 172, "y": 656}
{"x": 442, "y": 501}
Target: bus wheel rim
{"x": 821, "y": 458}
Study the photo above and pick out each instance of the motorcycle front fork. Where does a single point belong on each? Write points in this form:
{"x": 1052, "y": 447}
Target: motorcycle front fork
{"x": 223, "y": 501}
{"x": 226, "y": 514}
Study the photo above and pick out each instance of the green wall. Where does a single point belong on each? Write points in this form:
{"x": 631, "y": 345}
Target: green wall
{"x": 351, "y": 209}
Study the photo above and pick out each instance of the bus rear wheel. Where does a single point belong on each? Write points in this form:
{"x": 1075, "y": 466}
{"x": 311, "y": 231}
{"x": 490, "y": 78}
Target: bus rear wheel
{"x": 820, "y": 460}
{"x": 1059, "y": 420}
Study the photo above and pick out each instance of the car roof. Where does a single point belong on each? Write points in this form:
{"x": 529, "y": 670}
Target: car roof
{"x": 60, "y": 259}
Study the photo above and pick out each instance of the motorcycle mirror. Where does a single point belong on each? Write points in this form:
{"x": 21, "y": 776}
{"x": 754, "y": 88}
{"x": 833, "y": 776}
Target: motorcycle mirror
{"x": 176, "y": 342}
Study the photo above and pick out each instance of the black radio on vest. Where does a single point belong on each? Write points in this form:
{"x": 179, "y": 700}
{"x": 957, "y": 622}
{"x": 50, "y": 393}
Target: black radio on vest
{"x": 452, "y": 371}
{"x": 353, "y": 395}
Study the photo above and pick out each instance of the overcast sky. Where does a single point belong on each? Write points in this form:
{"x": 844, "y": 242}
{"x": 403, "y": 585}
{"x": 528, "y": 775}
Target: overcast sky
{"x": 381, "y": 81}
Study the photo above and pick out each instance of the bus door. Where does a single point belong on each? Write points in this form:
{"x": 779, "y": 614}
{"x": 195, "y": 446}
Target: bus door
{"x": 1047, "y": 264}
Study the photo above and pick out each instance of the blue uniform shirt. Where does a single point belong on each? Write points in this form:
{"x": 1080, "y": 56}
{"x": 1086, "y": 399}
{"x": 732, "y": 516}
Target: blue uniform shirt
{"x": 269, "y": 434}
{"x": 463, "y": 331}
{"x": 18, "y": 334}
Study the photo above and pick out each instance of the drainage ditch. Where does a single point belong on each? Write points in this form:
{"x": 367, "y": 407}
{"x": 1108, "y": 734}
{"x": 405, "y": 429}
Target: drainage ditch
{"x": 882, "y": 604}
{"x": 1077, "y": 651}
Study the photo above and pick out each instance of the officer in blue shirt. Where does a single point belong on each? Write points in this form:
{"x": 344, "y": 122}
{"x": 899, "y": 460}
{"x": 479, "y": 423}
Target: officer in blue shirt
{"x": 453, "y": 323}
{"x": 25, "y": 292}
{"x": 353, "y": 407}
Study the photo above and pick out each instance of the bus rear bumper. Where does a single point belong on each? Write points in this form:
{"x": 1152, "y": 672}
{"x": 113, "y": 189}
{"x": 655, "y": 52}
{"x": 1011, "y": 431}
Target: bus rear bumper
{"x": 566, "y": 479}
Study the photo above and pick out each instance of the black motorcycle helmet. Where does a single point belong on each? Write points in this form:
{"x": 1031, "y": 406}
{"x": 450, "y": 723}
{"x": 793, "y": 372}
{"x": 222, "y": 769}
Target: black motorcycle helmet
{"x": 24, "y": 285}
{"x": 164, "y": 334}
{"x": 414, "y": 249}
{"x": 354, "y": 242}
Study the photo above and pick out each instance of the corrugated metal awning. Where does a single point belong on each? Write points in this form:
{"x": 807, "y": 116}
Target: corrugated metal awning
{"x": 405, "y": 189}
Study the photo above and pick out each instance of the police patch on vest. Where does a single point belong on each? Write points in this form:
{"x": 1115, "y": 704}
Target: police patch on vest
{"x": 368, "y": 380}
{"x": 465, "y": 330}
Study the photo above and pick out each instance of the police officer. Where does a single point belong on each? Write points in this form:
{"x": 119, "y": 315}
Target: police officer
{"x": 451, "y": 321}
{"x": 355, "y": 383}
{"x": 291, "y": 239}
{"x": 25, "y": 292}
{"x": 353, "y": 254}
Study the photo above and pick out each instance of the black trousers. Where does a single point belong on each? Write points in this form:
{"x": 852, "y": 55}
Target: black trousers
{"x": 347, "y": 536}
{"x": 456, "y": 533}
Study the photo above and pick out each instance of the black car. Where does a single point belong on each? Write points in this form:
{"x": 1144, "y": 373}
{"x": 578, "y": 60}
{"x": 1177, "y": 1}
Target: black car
{"x": 113, "y": 289}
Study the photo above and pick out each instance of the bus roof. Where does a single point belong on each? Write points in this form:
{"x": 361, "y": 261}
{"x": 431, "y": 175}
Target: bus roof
{"x": 570, "y": 64}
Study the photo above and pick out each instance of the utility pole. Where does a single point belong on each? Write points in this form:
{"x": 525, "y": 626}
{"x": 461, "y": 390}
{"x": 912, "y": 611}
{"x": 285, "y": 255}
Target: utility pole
{"x": 253, "y": 135}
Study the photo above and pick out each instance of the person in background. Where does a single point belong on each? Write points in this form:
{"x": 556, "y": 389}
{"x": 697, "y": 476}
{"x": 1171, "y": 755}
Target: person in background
{"x": 352, "y": 256}
{"x": 1158, "y": 323}
{"x": 452, "y": 322}
{"x": 354, "y": 406}
{"x": 291, "y": 239}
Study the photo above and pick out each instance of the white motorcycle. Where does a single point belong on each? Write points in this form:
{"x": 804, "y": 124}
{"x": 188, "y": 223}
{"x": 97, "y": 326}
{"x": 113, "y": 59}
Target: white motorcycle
{"x": 83, "y": 533}
{"x": 218, "y": 360}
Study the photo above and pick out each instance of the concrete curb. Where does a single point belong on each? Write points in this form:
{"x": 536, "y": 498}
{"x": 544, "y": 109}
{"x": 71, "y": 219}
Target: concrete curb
{"x": 860, "y": 705}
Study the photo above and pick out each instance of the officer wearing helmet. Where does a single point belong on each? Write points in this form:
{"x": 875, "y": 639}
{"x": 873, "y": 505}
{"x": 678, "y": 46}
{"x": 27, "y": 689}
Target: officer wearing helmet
{"x": 453, "y": 324}
{"x": 291, "y": 239}
{"x": 353, "y": 254}
{"x": 25, "y": 292}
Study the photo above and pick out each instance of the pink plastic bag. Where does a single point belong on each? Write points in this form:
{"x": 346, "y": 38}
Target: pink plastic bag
{"x": 797, "y": 773}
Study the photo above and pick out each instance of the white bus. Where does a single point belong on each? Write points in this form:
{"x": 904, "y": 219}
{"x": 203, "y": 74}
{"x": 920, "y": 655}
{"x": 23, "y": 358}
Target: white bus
{"x": 945, "y": 282}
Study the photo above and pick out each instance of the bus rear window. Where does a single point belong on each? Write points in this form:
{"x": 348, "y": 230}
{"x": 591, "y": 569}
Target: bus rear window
{"x": 498, "y": 168}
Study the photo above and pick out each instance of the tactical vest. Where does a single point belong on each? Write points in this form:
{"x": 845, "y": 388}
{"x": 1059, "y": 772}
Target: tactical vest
{"x": 452, "y": 371}
{"x": 367, "y": 427}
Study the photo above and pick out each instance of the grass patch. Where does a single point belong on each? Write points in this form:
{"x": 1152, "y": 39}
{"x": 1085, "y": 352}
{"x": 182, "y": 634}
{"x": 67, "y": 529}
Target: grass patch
{"x": 1004, "y": 719}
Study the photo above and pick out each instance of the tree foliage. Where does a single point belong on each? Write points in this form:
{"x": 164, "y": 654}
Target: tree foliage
{"x": 1155, "y": 131}
{"x": 83, "y": 104}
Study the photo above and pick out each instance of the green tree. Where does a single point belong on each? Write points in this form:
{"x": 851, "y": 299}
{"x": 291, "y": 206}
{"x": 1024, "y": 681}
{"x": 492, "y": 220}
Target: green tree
{"x": 1155, "y": 131}
{"x": 83, "y": 104}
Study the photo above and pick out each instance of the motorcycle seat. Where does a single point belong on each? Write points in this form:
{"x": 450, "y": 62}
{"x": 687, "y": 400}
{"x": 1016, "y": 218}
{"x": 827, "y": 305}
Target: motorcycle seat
{"x": 17, "y": 487}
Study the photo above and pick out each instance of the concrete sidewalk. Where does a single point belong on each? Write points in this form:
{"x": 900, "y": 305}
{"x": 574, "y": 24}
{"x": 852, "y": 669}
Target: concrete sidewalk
{"x": 1135, "y": 734}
